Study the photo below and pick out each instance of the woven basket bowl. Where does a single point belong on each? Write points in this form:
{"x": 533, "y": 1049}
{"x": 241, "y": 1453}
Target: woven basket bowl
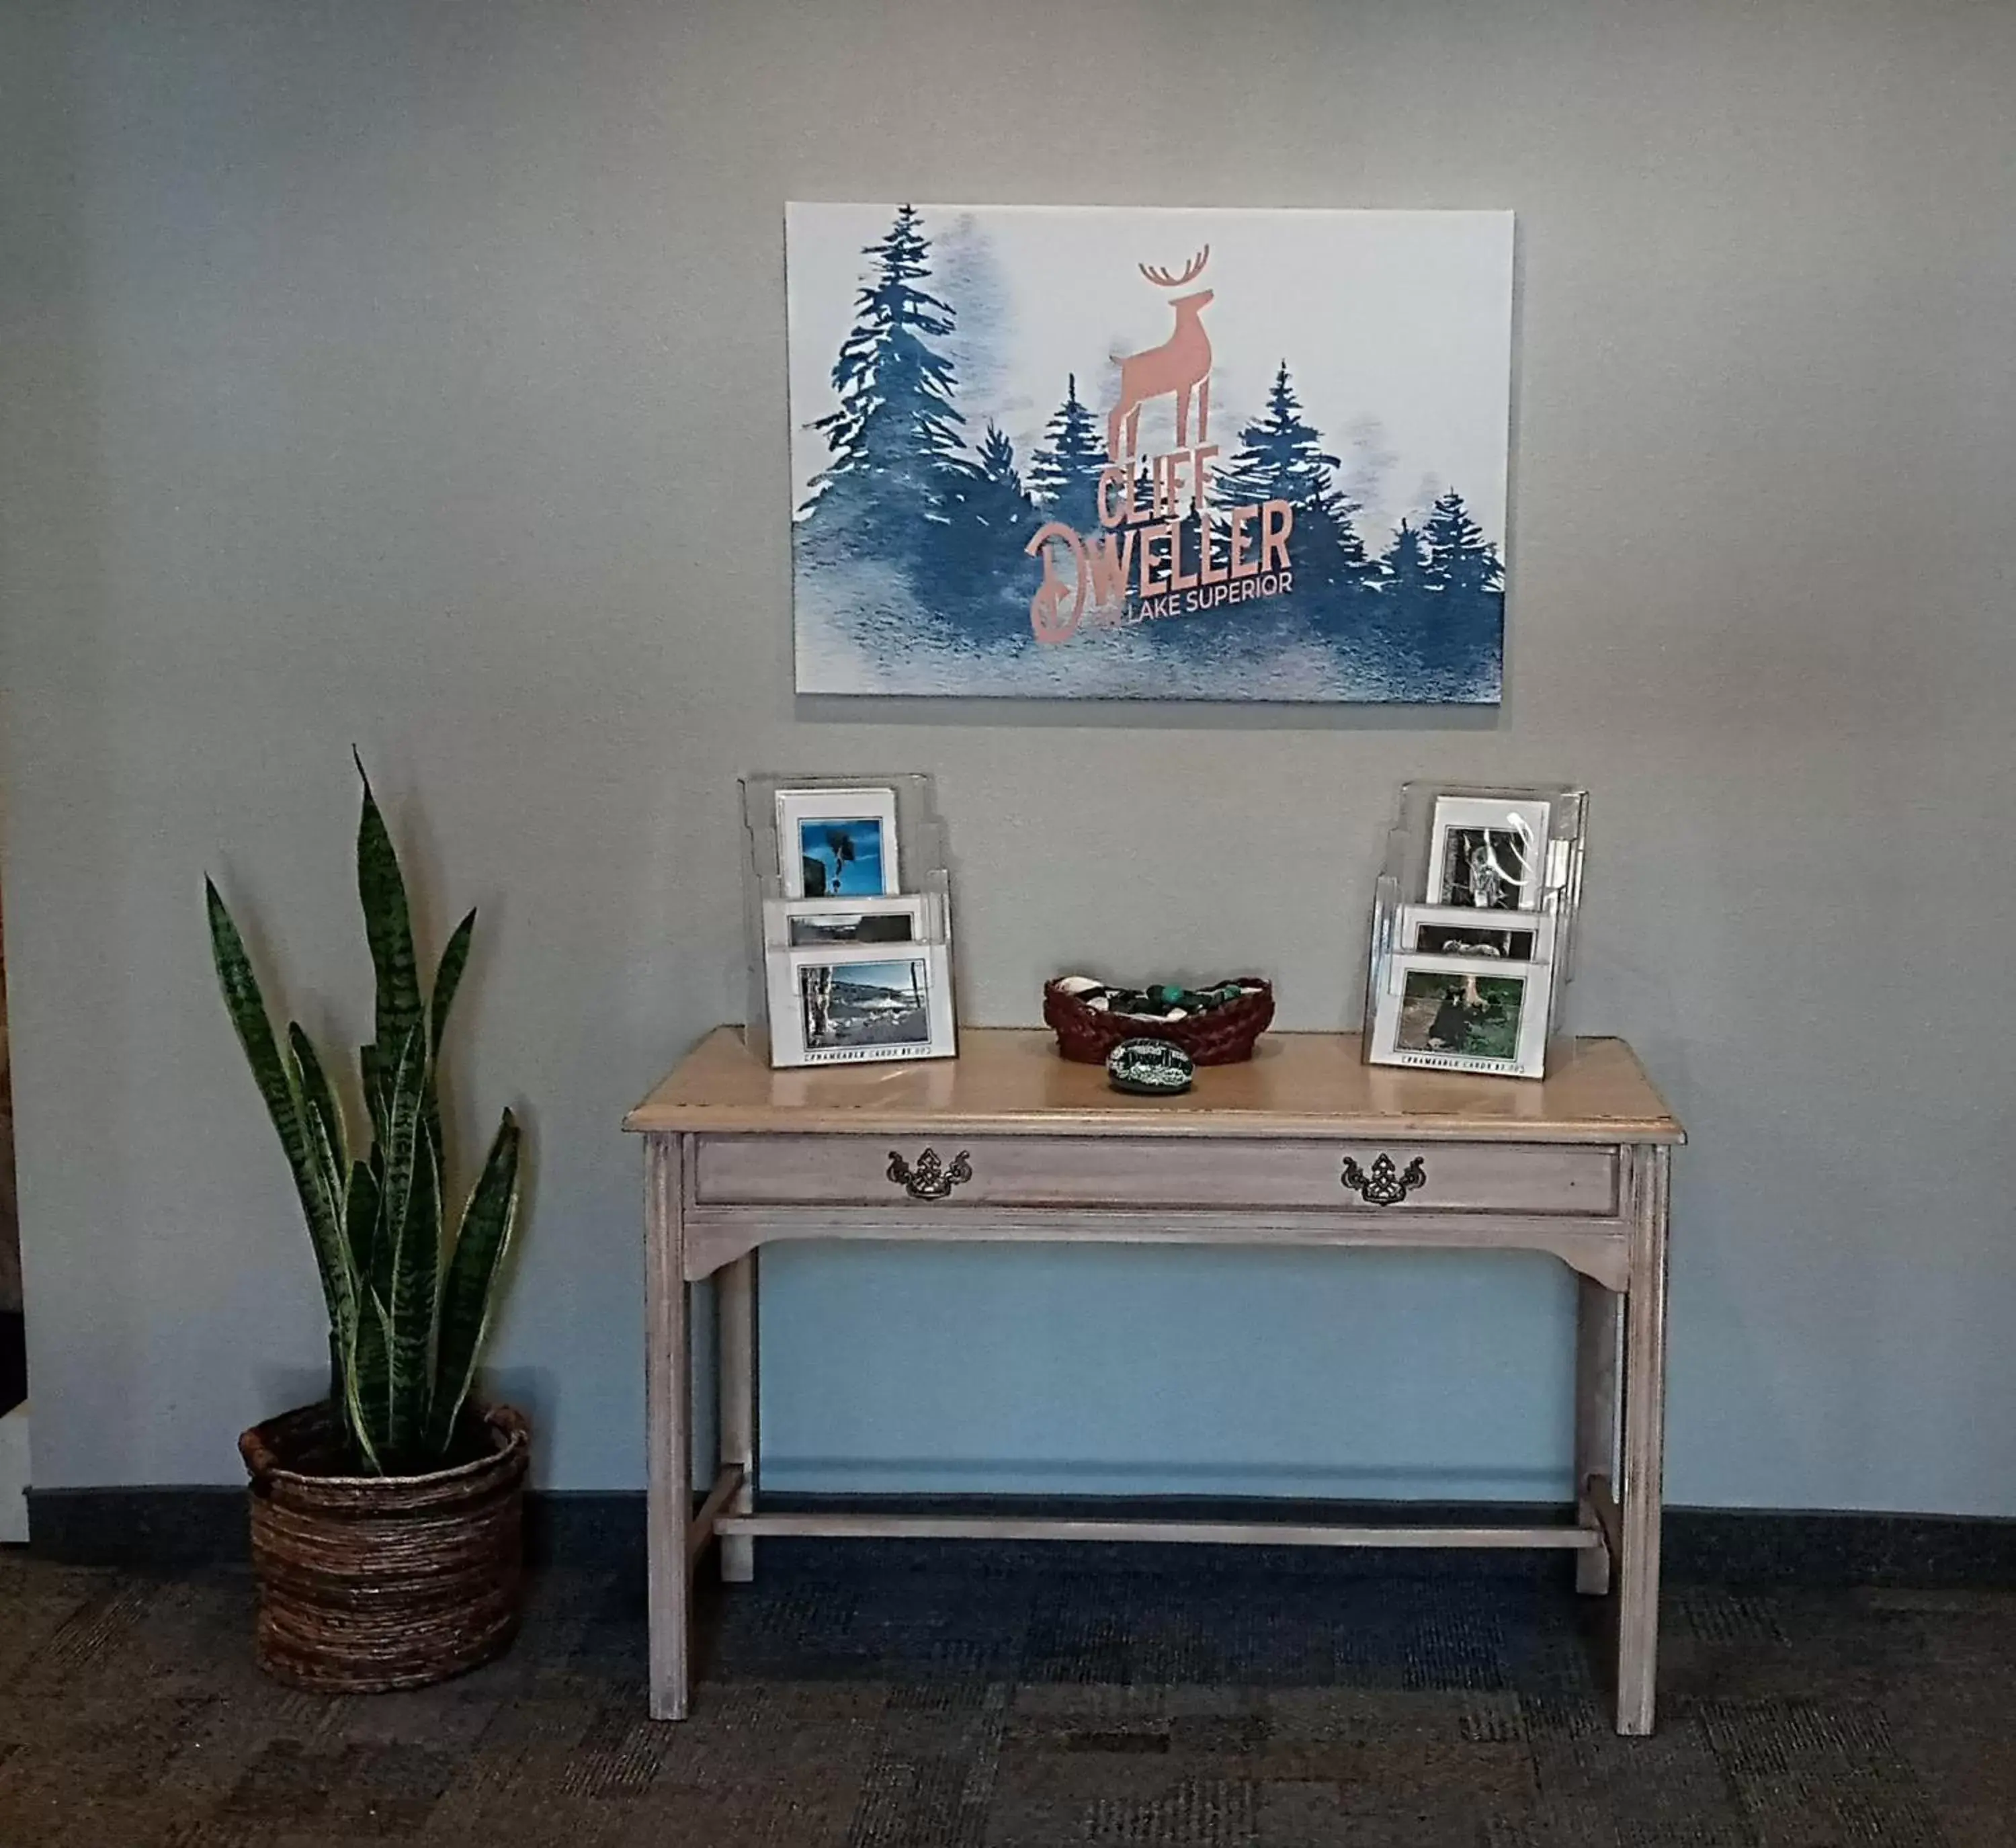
{"x": 369, "y": 1583}
{"x": 1218, "y": 1036}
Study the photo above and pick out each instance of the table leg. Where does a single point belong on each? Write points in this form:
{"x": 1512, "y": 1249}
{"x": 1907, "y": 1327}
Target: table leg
{"x": 668, "y": 1418}
{"x": 1645, "y": 1444}
{"x": 735, "y": 1310}
{"x": 1597, "y": 1315}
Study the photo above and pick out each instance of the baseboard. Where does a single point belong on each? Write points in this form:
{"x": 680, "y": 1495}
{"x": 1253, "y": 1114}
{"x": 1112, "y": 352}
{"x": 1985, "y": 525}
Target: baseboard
{"x": 604, "y": 1532}
{"x": 178, "y": 1526}
{"x": 206, "y": 1526}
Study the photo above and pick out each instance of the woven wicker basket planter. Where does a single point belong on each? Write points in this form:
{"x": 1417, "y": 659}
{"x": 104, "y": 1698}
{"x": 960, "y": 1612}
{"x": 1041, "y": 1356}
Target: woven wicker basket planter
{"x": 1222, "y": 1036}
{"x": 368, "y": 1584}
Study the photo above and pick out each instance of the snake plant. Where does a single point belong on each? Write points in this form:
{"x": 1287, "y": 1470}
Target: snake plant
{"x": 407, "y": 1312}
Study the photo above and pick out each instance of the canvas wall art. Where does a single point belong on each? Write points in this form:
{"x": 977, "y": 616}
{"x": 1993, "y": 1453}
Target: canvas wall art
{"x": 1135, "y": 453}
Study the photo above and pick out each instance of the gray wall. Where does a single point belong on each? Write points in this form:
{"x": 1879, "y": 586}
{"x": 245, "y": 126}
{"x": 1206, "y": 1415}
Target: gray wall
{"x": 414, "y": 374}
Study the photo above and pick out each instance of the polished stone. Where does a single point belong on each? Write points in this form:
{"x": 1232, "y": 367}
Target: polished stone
{"x": 1149, "y": 1068}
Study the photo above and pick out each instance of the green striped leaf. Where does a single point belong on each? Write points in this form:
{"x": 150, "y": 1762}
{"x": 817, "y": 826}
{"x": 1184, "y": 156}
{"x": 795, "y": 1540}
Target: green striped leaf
{"x": 447, "y": 978}
{"x": 388, "y": 927}
{"x": 360, "y": 1211}
{"x": 246, "y": 1007}
{"x": 396, "y": 1150}
{"x": 327, "y": 1217}
{"x": 371, "y": 1076}
{"x": 416, "y": 1280}
{"x": 373, "y": 1372}
{"x": 339, "y": 1281}
{"x": 279, "y": 1089}
{"x": 488, "y": 1222}
{"x": 404, "y": 1244}
{"x": 392, "y": 1168}
{"x": 365, "y": 1246}
{"x": 318, "y": 1099}
{"x": 360, "y": 1229}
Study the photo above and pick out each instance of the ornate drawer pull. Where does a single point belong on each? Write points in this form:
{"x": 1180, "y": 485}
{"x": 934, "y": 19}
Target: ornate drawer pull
{"x": 1385, "y": 1186}
{"x": 930, "y": 1179}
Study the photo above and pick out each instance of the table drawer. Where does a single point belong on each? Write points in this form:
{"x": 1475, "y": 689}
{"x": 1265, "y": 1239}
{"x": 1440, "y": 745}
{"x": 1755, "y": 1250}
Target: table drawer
{"x": 1395, "y": 1177}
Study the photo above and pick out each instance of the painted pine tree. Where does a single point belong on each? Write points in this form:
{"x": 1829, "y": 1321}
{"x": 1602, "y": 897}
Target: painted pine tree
{"x": 1281, "y": 457}
{"x": 975, "y": 574}
{"x": 896, "y": 429}
{"x": 1063, "y": 474}
{"x": 987, "y": 493}
{"x": 1440, "y": 604}
{"x": 997, "y": 462}
{"x": 1468, "y": 581}
{"x": 1461, "y": 561}
{"x": 1404, "y": 566}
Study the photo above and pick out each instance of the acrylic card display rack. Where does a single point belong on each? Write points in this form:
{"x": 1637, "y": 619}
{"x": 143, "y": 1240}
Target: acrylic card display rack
{"x": 847, "y": 912}
{"x": 1473, "y": 927}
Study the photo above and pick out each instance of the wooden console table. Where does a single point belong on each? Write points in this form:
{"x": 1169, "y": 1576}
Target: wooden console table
{"x": 1304, "y": 1146}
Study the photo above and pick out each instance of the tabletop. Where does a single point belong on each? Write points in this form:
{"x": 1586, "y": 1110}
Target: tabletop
{"x": 1011, "y": 1080}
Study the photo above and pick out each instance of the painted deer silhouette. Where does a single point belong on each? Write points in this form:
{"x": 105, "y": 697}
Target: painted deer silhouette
{"x": 1179, "y": 366}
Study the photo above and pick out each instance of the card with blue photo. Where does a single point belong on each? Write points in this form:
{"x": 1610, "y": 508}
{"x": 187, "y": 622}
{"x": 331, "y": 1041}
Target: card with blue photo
{"x": 837, "y": 843}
